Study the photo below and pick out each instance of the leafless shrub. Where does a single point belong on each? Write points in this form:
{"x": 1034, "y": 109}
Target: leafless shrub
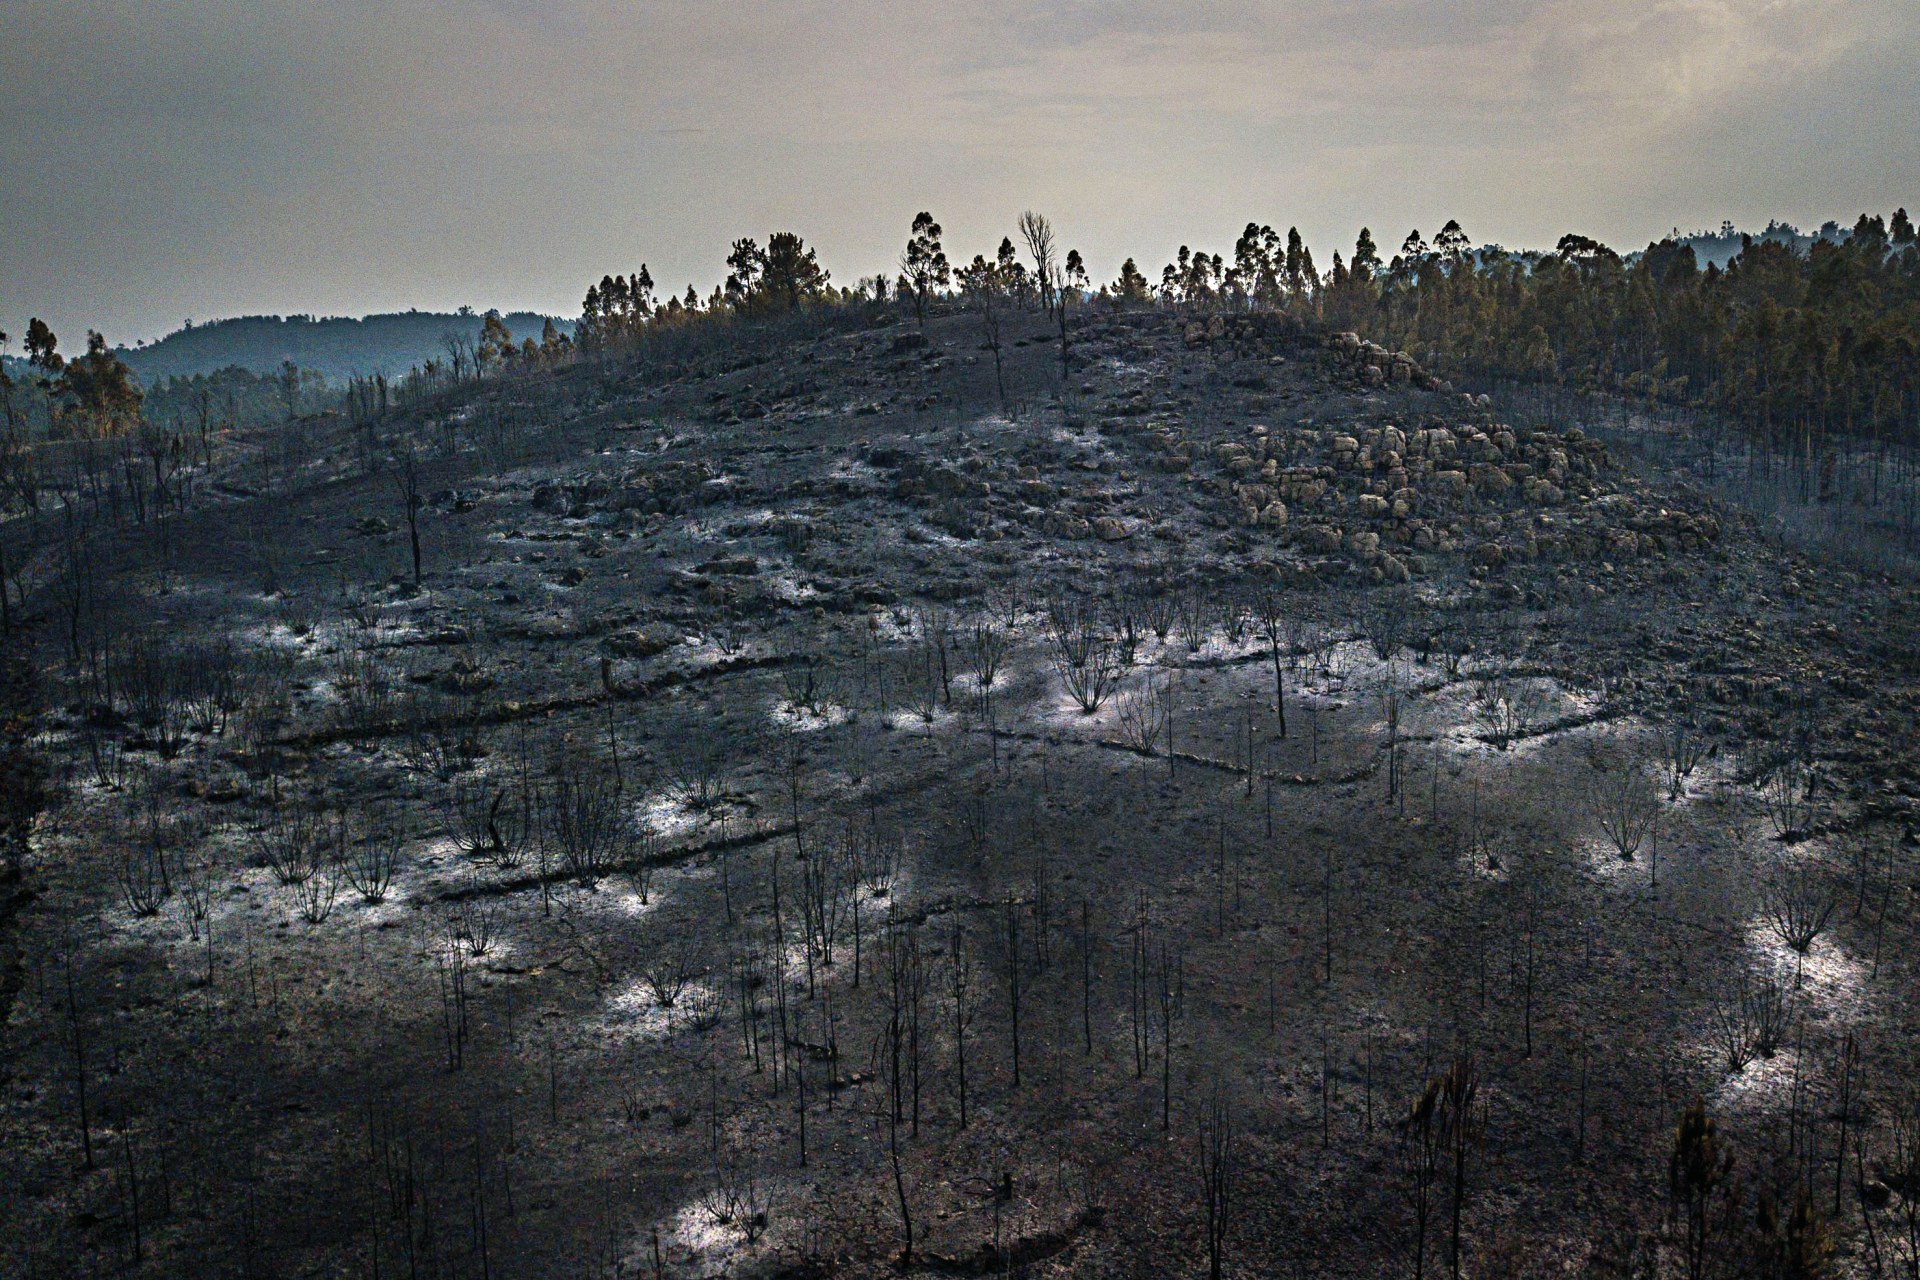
{"x": 803, "y": 678}
{"x": 1083, "y": 654}
{"x": 369, "y": 864}
{"x": 152, "y": 676}
{"x": 920, "y": 680}
{"x": 364, "y": 689}
{"x": 738, "y": 1201}
{"x": 485, "y": 822}
{"x": 669, "y": 971}
{"x": 1193, "y": 618}
{"x": 1507, "y": 707}
{"x": 1798, "y": 901}
{"x": 877, "y": 854}
{"x": 195, "y": 879}
{"x": 1090, "y": 681}
{"x": 291, "y": 842}
{"x": 1622, "y": 799}
{"x": 1158, "y": 611}
{"x": 1143, "y": 712}
{"x": 218, "y": 681}
{"x": 988, "y": 650}
{"x": 1751, "y": 1017}
{"x": 583, "y": 819}
{"x": 1682, "y": 750}
{"x": 1387, "y": 618}
{"x": 1235, "y": 618}
{"x": 439, "y": 736}
{"x": 139, "y": 869}
{"x": 698, "y": 757}
{"x": 315, "y": 896}
{"x": 362, "y": 609}
{"x": 1323, "y": 644}
{"x": 471, "y": 923}
{"x": 1789, "y": 790}
{"x": 588, "y": 825}
{"x": 703, "y": 1007}
{"x": 105, "y": 755}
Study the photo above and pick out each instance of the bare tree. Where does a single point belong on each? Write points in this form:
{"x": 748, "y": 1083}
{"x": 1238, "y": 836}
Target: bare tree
{"x": 404, "y": 468}
{"x": 960, "y": 985}
{"x": 1038, "y": 233}
{"x": 1275, "y": 628}
{"x": 1216, "y": 1173}
{"x": 985, "y": 291}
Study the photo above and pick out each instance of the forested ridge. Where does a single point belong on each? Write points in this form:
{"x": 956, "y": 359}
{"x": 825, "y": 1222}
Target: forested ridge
{"x": 1797, "y": 347}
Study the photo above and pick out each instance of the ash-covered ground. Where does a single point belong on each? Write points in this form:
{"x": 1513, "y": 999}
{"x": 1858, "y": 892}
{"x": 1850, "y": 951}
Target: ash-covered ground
{"x": 854, "y": 802}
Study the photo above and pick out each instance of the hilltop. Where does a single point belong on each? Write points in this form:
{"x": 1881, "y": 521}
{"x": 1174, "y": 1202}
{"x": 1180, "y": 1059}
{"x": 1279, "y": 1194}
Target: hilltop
{"x": 338, "y": 347}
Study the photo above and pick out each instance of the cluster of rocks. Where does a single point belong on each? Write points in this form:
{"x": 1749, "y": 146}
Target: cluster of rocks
{"x": 1367, "y": 363}
{"x": 1373, "y": 494}
{"x": 1264, "y": 333}
{"x": 666, "y": 487}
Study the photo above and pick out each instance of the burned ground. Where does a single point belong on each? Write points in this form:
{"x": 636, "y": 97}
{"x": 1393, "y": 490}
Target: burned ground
{"x": 624, "y": 896}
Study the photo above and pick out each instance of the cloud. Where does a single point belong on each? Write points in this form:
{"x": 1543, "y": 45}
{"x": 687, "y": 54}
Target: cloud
{"x": 204, "y": 157}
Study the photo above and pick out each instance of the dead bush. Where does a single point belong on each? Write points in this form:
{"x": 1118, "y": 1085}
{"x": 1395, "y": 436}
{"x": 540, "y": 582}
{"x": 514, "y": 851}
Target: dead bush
{"x": 486, "y": 822}
{"x": 587, "y": 823}
{"x": 1143, "y": 712}
{"x": 369, "y": 863}
{"x": 1799, "y": 900}
{"x": 1508, "y": 707}
{"x": 1789, "y": 792}
{"x": 291, "y": 842}
{"x": 1623, "y": 799}
{"x": 1751, "y": 1015}
{"x": 139, "y": 869}
{"x": 669, "y": 971}
{"x": 315, "y": 896}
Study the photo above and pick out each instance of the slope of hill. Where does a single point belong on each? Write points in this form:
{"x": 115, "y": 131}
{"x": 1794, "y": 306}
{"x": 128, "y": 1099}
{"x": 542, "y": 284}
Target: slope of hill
{"x": 337, "y": 347}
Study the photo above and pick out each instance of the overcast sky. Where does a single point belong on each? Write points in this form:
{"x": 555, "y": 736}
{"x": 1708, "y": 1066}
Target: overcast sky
{"x": 161, "y": 159}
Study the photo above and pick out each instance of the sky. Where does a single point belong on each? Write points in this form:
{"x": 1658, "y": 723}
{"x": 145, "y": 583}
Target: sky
{"x": 167, "y": 159}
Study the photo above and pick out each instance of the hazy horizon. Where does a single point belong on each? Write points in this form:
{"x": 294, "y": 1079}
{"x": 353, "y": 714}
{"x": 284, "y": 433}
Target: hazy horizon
{"x": 194, "y": 158}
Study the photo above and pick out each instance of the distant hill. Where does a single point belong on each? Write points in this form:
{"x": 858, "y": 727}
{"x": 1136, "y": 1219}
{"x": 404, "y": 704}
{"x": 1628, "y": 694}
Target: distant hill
{"x": 337, "y": 347}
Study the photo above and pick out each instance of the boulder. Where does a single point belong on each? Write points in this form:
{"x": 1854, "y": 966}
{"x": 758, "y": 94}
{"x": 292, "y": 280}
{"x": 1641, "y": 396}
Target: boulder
{"x": 1491, "y": 480}
{"x": 1110, "y": 529}
{"x": 1374, "y": 507}
{"x": 1542, "y": 493}
{"x": 1320, "y": 539}
{"x": 1273, "y": 515}
{"x": 1392, "y": 569}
